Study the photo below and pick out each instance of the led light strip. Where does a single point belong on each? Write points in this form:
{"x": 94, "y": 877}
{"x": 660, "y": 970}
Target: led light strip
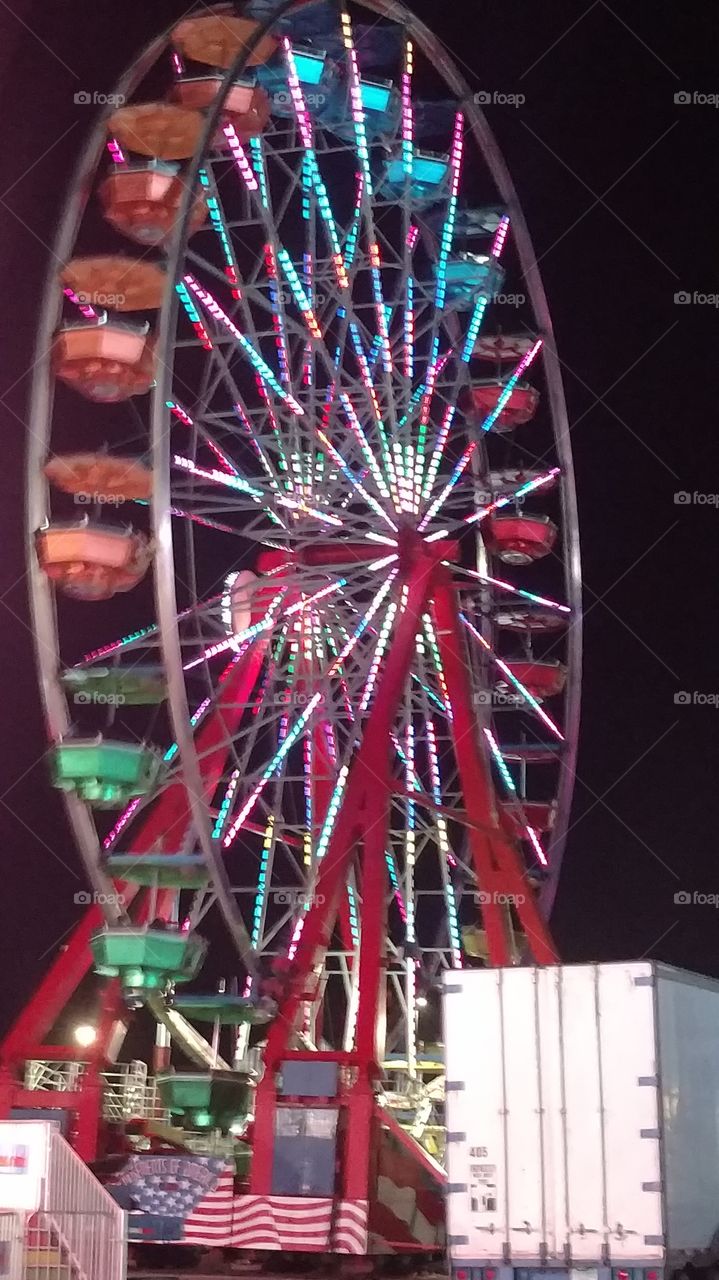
{"x": 308, "y": 711}
{"x": 511, "y": 788}
{"x": 448, "y": 859}
{"x": 509, "y": 675}
{"x": 484, "y": 426}
{"x": 216, "y": 477}
{"x": 523, "y": 489}
{"x": 260, "y": 365}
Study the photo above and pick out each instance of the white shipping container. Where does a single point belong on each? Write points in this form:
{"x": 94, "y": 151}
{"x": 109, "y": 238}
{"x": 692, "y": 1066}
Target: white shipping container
{"x": 582, "y": 1107}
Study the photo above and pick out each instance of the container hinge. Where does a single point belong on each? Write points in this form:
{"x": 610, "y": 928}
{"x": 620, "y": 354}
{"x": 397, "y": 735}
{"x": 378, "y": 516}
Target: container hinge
{"x": 456, "y": 1137}
{"x": 454, "y": 1086}
{"x": 649, "y": 1133}
{"x": 648, "y": 1082}
{"x": 644, "y": 980}
{"x": 453, "y": 1187}
{"x": 457, "y": 1240}
{"x": 659, "y": 1241}
{"x": 453, "y": 988}
{"x": 652, "y": 1186}
{"x": 506, "y": 1251}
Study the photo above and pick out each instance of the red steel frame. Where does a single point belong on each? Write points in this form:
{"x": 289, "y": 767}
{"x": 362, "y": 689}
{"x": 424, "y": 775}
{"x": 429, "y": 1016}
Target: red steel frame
{"x": 359, "y": 839}
{"x": 360, "y": 834}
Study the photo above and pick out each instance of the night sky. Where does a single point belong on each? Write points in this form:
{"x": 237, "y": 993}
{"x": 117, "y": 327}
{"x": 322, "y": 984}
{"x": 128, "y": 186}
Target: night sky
{"x": 615, "y": 177}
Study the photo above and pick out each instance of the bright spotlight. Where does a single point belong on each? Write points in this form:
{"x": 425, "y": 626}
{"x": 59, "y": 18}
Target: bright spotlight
{"x": 85, "y": 1036}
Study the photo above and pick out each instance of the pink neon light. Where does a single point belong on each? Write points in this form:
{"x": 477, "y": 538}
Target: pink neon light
{"x": 303, "y": 117}
{"x": 500, "y": 236}
{"x": 456, "y": 157}
{"x": 88, "y": 311}
{"x": 122, "y": 822}
{"x": 247, "y": 172}
{"x": 330, "y": 739}
{"x": 260, "y": 365}
{"x": 118, "y": 155}
{"x": 184, "y": 417}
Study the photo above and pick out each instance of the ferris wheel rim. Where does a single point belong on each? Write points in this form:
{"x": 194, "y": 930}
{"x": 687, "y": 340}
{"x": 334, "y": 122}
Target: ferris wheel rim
{"x": 41, "y": 592}
{"x": 43, "y": 612}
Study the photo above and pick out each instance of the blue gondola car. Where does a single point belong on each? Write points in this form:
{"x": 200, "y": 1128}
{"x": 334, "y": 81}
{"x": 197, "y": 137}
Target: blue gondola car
{"x": 472, "y": 223}
{"x": 316, "y": 74}
{"x": 428, "y": 179}
{"x": 468, "y": 275}
{"x": 382, "y": 107}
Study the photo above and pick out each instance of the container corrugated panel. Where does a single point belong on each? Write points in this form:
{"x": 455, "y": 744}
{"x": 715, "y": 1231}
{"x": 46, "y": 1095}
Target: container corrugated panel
{"x": 688, "y": 1022}
{"x": 562, "y": 1084}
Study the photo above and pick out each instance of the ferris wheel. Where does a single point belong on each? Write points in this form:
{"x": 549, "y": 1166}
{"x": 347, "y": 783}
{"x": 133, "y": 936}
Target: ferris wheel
{"x": 296, "y": 370}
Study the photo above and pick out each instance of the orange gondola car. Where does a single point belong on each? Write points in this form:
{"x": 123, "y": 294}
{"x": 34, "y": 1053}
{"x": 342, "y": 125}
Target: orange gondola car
{"x": 92, "y": 561}
{"x": 142, "y": 201}
{"x": 100, "y": 477}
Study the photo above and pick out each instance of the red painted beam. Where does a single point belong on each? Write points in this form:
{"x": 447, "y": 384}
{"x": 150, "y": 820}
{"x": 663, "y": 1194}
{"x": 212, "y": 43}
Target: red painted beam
{"x": 497, "y": 859}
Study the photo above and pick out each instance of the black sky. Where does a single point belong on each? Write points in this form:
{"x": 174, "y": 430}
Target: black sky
{"x": 617, "y": 181}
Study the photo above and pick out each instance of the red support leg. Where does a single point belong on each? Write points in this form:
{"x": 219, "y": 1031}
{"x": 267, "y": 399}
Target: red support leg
{"x": 496, "y": 857}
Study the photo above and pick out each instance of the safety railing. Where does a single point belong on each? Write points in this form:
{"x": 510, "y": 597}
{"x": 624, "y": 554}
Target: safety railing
{"x": 11, "y": 1245}
{"x": 80, "y": 1219}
